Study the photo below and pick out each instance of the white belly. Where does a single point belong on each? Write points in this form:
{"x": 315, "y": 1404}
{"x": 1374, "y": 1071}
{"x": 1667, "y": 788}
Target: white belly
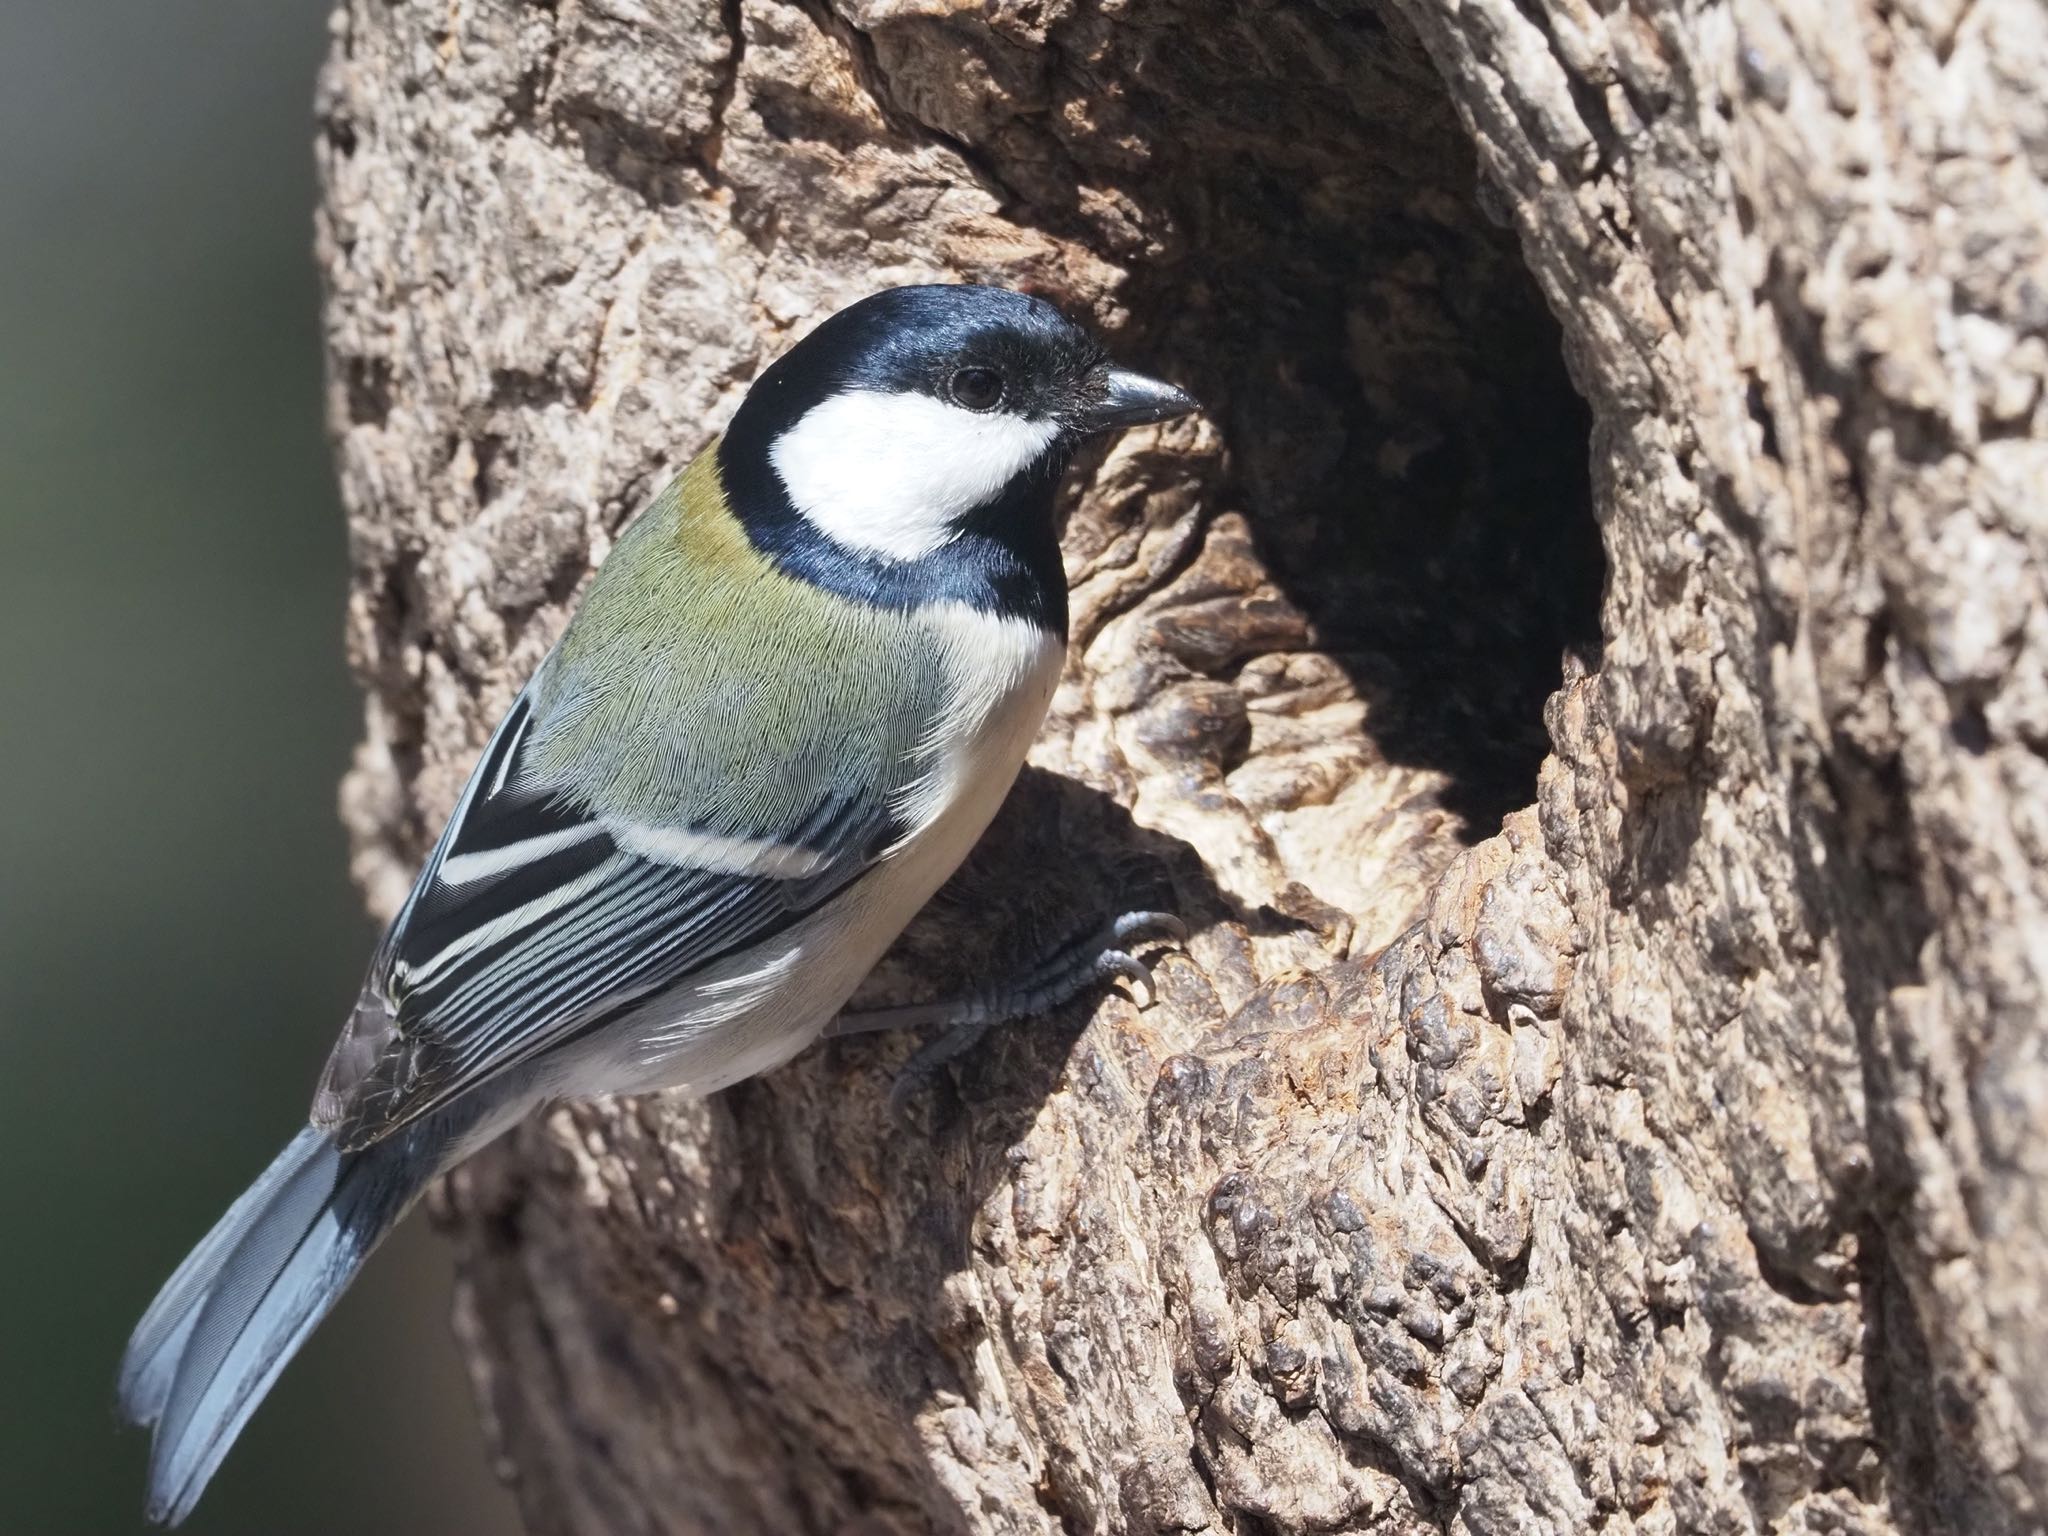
{"x": 752, "y": 1012}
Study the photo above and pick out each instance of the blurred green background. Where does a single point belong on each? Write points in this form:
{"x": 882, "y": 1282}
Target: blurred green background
{"x": 178, "y": 936}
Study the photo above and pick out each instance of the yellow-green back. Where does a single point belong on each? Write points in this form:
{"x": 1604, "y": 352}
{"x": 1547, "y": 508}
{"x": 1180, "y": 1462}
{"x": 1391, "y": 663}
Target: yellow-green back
{"x": 701, "y": 686}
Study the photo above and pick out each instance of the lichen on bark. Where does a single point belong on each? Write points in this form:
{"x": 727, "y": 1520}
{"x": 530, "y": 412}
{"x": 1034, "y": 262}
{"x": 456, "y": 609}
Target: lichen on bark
{"x": 1585, "y": 679}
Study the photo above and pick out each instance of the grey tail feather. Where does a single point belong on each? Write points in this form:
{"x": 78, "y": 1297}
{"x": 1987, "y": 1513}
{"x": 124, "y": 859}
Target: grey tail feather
{"x": 237, "y": 1310}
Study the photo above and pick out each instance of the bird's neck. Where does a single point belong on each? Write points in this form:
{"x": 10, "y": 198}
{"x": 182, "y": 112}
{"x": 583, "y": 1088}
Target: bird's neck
{"x": 1005, "y": 558}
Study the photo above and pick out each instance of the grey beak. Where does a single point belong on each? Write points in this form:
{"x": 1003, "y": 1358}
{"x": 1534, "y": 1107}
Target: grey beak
{"x": 1130, "y": 399}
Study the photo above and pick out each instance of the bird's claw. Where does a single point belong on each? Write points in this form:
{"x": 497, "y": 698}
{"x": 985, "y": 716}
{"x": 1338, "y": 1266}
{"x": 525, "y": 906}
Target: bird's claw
{"x": 1152, "y": 927}
{"x": 1105, "y": 955}
{"x": 1112, "y": 964}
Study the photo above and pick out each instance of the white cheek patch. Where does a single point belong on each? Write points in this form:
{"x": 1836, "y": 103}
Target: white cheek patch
{"x": 888, "y": 474}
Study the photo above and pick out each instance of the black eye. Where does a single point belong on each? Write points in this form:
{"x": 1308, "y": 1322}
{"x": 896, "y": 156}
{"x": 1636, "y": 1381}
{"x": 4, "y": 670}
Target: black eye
{"x": 979, "y": 389}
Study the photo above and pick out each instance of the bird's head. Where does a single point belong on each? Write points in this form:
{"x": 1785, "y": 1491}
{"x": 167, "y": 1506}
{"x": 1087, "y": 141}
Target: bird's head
{"x": 923, "y": 417}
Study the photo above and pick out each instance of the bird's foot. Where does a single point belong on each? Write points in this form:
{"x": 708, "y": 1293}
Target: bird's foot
{"x": 1056, "y": 978}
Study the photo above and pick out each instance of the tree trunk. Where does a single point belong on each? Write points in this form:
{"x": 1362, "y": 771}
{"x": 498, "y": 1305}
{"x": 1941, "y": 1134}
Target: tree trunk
{"x": 1607, "y": 1087}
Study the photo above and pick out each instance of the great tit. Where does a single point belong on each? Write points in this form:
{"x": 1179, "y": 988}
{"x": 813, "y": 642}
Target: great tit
{"x": 790, "y": 702}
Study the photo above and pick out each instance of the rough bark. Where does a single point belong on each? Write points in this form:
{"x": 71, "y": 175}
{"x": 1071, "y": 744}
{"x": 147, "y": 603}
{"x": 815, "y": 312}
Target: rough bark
{"x": 1666, "y": 1156}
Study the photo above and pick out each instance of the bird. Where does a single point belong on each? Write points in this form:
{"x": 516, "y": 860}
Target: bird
{"x": 787, "y": 706}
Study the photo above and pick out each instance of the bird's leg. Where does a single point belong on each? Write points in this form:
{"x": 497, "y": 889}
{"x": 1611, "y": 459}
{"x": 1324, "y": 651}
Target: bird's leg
{"x": 1065, "y": 973}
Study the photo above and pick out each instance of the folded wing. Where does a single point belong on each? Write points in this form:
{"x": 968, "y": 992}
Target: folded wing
{"x": 536, "y": 921}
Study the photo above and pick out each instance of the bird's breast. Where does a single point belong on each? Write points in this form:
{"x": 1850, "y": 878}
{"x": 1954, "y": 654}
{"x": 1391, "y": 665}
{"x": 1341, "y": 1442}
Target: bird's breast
{"x": 999, "y": 674}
